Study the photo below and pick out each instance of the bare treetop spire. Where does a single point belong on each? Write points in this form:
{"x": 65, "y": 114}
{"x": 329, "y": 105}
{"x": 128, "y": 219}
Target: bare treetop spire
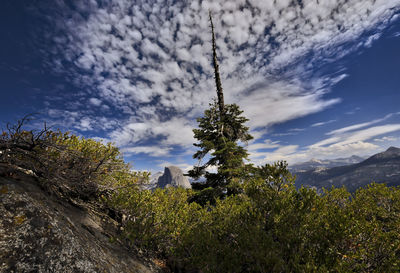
{"x": 217, "y": 77}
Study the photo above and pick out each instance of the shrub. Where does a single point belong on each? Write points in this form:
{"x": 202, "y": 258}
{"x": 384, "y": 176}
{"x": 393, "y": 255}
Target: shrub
{"x": 267, "y": 228}
{"x": 66, "y": 164}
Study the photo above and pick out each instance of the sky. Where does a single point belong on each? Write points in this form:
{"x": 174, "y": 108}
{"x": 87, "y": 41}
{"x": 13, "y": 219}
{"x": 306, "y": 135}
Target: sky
{"x": 316, "y": 78}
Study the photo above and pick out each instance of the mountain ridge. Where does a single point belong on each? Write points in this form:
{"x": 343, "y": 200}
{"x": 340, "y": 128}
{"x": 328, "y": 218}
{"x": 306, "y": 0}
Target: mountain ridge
{"x": 325, "y": 163}
{"x": 382, "y": 167}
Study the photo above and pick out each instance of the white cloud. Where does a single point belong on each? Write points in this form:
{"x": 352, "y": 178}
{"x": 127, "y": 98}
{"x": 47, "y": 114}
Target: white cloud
{"x": 297, "y": 130}
{"x": 155, "y": 64}
{"x": 267, "y": 144}
{"x": 386, "y": 139}
{"x": 277, "y": 101}
{"x": 318, "y": 124}
{"x": 353, "y": 111}
{"x": 84, "y": 124}
{"x": 95, "y": 101}
{"x": 79, "y": 120}
{"x": 341, "y": 145}
{"x": 371, "y": 39}
{"x": 155, "y": 151}
{"x": 369, "y": 133}
{"x": 356, "y": 136}
{"x": 176, "y": 131}
{"x": 361, "y": 125}
{"x": 294, "y": 154}
{"x": 183, "y": 166}
{"x": 284, "y": 134}
{"x": 285, "y": 152}
{"x": 343, "y": 149}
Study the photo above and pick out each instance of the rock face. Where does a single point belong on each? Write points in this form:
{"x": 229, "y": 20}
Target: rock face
{"x": 381, "y": 168}
{"x": 42, "y": 233}
{"x": 173, "y": 177}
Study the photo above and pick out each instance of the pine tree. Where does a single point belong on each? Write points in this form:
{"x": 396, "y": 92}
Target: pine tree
{"x": 220, "y": 130}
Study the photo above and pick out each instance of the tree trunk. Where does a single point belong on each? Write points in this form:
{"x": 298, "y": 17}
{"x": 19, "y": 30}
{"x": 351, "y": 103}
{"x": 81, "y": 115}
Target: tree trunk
{"x": 217, "y": 77}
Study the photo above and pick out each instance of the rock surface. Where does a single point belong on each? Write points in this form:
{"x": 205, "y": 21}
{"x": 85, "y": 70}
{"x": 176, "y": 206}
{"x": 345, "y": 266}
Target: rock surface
{"x": 173, "y": 177}
{"x": 42, "y": 233}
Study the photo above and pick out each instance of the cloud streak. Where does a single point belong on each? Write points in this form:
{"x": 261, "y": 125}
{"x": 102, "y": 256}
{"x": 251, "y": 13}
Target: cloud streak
{"x": 319, "y": 124}
{"x": 361, "y": 125}
{"x": 356, "y": 142}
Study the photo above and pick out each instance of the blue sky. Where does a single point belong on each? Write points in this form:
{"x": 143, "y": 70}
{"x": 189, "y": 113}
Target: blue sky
{"x": 317, "y": 79}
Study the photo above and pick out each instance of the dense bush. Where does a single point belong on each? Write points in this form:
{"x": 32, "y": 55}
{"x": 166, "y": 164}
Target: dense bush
{"x": 269, "y": 227}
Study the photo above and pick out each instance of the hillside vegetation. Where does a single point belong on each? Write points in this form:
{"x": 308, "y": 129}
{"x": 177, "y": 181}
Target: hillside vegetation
{"x": 266, "y": 226}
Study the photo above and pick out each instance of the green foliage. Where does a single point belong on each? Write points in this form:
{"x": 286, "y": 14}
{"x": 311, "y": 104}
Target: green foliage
{"x": 220, "y": 138}
{"x": 269, "y": 226}
{"x": 67, "y": 165}
{"x": 155, "y": 220}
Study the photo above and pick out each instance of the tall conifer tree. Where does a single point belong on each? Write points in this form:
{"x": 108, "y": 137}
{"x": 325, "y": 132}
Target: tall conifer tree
{"x": 220, "y": 130}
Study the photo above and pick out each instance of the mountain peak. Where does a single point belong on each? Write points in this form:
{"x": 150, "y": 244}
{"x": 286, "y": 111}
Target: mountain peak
{"x": 393, "y": 149}
{"x": 356, "y": 157}
{"x": 391, "y": 152}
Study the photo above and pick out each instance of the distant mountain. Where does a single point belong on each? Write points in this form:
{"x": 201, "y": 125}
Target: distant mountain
{"x": 153, "y": 180}
{"x": 381, "y": 168}
{"x": 171, "y": 177}
{"x": 326, "y": 163}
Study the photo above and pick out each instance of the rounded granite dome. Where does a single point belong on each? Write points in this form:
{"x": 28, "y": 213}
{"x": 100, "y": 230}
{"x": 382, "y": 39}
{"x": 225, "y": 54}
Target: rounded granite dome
{"x": 173, "y": 177}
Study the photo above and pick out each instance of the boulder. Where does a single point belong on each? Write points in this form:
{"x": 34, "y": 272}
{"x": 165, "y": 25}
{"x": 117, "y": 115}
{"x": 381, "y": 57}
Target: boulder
{"x": 173, "y": 177}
